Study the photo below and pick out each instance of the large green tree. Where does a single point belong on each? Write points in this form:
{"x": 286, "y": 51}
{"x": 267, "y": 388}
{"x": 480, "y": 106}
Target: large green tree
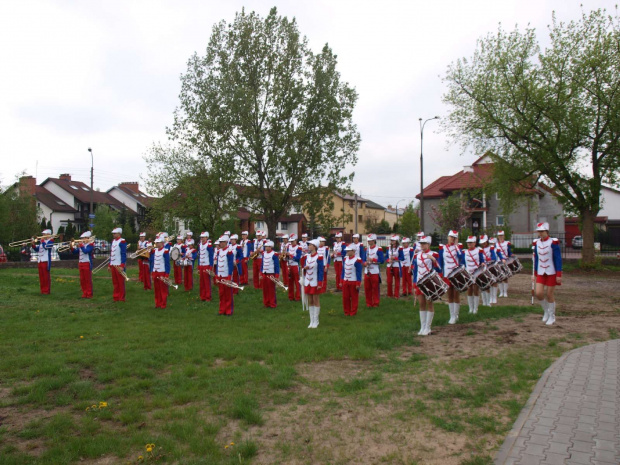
{"x": 551, "y": 114}
{"x": 263, "y": 110}
{"x": 18, "y": 215}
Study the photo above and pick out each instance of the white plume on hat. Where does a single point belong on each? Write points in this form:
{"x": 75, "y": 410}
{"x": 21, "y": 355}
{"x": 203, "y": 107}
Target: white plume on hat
{"x": 293, "y": 237}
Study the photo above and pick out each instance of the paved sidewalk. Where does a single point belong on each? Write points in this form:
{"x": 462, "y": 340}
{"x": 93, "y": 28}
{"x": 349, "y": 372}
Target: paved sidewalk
{"x": 573, "y": 415}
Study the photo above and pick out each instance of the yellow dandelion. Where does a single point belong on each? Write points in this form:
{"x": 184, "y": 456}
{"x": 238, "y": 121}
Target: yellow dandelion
{"x": 93, "y": 406}
{"x": 87, "y": 409}
{"x": 232, "y": 443}
{"x": 103, "y": 404}
{"x": 140, "y": 458}
{"x": 225, "y": 447}
{"x": 149, "y": 449}
{"x": 81, "y": 337}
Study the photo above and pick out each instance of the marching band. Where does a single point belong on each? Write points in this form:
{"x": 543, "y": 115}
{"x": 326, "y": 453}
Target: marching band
{"x": 481, "y": 269}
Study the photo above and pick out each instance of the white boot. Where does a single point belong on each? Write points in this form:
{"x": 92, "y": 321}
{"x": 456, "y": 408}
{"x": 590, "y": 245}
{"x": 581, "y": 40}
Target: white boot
{"x": 317, "y": 311}
{"x": 452, "y": 317}
{"x": 545, "y": 305}
{"x": 551, "y": 313}
{"x": 429, "y": 320}
{"x": 422, "y": 322}
{"x": 470, "y": 303}
{"x": 457, "y": 308}
{"x": 311, "y": 312}
{"x": 494, "y": 295}
{"x": 476, "y": 302}
{"x": 505, "y": 290}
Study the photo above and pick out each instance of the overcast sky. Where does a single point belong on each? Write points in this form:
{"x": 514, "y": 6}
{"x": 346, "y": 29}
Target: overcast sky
{"x": 79, "y": 74}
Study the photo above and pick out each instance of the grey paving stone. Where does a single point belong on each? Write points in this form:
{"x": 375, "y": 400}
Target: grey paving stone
{"x": 555, "y": 459}
{"x": 606, "y": 455}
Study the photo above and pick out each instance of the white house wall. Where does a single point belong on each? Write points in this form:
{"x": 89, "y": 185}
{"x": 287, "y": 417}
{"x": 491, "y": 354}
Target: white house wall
{"x": 59, "y": 192}
{"x": 125, "y": 199}
{"x": 610, "y": 204}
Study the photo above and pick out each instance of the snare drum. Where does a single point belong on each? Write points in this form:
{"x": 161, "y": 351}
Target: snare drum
{"x": 432, "y": 286}
{"x": 514, "y": 265}
{"x": 175, "y": 254}
{"x": 505, "y": 270}
{"x": 496, "y": 270}
{"x": 483, "y": 278}
{"x": 461, "y": 279}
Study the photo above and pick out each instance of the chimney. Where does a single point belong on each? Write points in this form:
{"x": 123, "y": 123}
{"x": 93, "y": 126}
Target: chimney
{"x": 27, "y": 185}
{"x": 134, "y": 186}
{"x": 65, "y": 177}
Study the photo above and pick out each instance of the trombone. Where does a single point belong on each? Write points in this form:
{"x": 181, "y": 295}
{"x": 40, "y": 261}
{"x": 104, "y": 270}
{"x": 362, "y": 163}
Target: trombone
{"x": 119, "y": 268}
{"x": 64, "y": 246}
{"x": 101, "y": 265}
{"x": 225, "y": 282}
{"x": 168, "y": 282}
{"x": 143, "y": 253}
{"x": 31, "y": 240}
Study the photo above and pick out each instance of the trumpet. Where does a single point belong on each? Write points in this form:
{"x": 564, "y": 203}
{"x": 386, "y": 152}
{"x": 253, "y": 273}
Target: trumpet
{"x": 168, "y": 282}
{"x": 254, "y": 254}
{"x": 31, "y": 240}
{"x": 278, "y": 282}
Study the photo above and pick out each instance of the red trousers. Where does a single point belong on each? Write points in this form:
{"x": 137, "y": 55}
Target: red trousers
{"x": 407, "y": 282}
{"x": 324, "y": 283}
{"x": 227, "y": 304}
{"x": 118, "y": 282}
{"x": 146, "y": 275}
{"x": 45, "y": 280}
{"x": 269, "y": 292}
{"x": 294, "y": 288}
{"x": 140, "y": 270}
{"x": 284, "y": 272}
{"x": 245, "y": 279}
{"x": 205, "y": 283}
{"x": 86, "y": 280}
{"x": 350, "y": 297}
{"x": 256, "y": 266}
{"x": 161, "y": 290}
{"x": 371, "y": 289}
{"x": 338, "y": 271}
{"x": 188, "y": 277}
{"x": 178, "y": 274}
{"x": 235, "y": 279}
{"x": 393, "y": 278}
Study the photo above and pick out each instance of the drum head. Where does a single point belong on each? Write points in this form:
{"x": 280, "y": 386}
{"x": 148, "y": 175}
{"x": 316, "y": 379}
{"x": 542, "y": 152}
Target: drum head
{"x": 175, "y": 254}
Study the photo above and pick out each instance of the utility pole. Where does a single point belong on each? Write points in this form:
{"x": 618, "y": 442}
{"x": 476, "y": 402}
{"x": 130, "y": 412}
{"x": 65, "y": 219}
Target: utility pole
{"x": 356, "y": 213}
{"x": 422, "y": 170}
{"x": 91, "y": 213}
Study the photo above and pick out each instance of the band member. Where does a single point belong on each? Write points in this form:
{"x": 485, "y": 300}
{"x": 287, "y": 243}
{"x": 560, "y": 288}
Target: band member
{"x": 141, "y": 259}
{"x": 489, "y": 257}
{"x": 360, "y": 250}
{"x": 237, "y": 251}
{"x": 270, "y": 266}
{"x": 283, "y": 259}
{"x": 159, "y": 262}
{"x": 417, "y": 246}
{"x": 324, "y": 251}
{"x": 224, "y": 265}
{"x": 450, "y": 258}
{"x": 146, "y": 267}
{"x": 337, "y": 255}
{"x": 256, "y": 263}
{"x": 393, "y": 267}
{"x": 294, "y": 254}
{"x": 189, "y": 257}
{"x": 312, "y": 264}
{"x": 505, "y": 248}
{"x": 205, "y": 262}
{"x": 304, "y": 243}
{"x": 85, "y": 249}
{"x": 248, "y": 247}
{"x": 118, "y": 259}
{"x": 178, "y": 269}
{"x": 473, "y": 258}
{"x": 189, "y": 238}
{"x": 547, "y": 270}
{"x": 373, "y": 257}
{"x": 351, "y": 281}
{"x": 44, "y": 259}
{"x": 407, "y": 282}
{"x": 423, "y": 263}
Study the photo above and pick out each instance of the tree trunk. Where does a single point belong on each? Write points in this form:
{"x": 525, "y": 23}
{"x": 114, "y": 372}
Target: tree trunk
{"x": 587, "y": 232}
{"x": 272, "y": 227}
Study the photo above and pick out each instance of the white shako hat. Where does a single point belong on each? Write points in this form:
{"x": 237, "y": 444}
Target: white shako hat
{"x": 117, "y": 231}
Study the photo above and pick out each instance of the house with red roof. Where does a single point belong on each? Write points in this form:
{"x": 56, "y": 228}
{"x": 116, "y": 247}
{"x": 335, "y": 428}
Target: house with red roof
{"x": 539, "y": 203}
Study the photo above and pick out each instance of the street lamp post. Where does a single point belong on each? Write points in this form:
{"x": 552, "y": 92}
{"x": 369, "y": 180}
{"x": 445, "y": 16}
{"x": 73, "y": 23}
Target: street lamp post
{"x": 401, "y": 200}
{"x": 422, "y": 170}
{"x": 91, "y": 213}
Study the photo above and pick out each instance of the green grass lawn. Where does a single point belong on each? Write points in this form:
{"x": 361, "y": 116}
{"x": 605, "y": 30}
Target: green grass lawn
{"x": 176, "y": 377}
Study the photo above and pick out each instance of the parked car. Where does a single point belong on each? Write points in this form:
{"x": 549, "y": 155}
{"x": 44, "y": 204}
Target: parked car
{"x": 101, "y": 246}
{"x": 577, "y": 242}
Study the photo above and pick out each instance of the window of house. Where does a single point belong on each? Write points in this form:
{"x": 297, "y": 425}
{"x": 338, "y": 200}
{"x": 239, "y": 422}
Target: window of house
{"x": 85, "y": 188}
{"x": 497, "y": 196}
{"x": 60, "y": 203}
{"x": 73, "y": 187}
{"x": 259, "y": 225}
{"x": 360, "y": 218}
{"x": 499, "y": 220}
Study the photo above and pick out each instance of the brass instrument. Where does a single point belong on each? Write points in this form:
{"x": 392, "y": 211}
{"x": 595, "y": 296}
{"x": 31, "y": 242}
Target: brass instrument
{"x": 254, "y": 254}
{"x": 31, "y": 240}
{"x": 225, "y": 282}
{"x": 119, "y": 268}
{"x": 143, "y": 253}
{"x": 279, "y": 283}
{"x": 102, "y": 265}
{"x": 64, "y": 246}
{"x": 168, "y": 282}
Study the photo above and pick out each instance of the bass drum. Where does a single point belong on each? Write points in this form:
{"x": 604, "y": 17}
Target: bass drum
{"x": 432, "y": 286}
{"x": 483, "y": 278}
{"x": 461, "y": 279}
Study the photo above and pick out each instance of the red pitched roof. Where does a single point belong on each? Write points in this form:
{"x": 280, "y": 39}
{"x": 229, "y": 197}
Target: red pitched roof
{"x": 140, "y": 196}
{"x": 50, "y": 200}
{"x": 82, "y": 192}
